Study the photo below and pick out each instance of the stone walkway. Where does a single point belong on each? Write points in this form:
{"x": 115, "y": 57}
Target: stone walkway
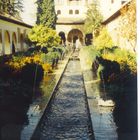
{"x": 68, "y": 116}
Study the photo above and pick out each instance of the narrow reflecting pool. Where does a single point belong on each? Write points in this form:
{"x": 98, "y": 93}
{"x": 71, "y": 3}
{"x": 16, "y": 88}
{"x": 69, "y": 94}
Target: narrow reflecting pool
{"x": 112, "y": 123}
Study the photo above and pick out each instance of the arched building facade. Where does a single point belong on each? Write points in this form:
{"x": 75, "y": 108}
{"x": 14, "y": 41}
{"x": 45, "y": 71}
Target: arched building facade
{"x": 71, "y": 16}
{"x": 12, "y": 35}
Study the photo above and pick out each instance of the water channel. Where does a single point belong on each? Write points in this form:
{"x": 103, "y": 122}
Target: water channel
{"x": 112, "y": 123}
{"x": 67, "y": 117}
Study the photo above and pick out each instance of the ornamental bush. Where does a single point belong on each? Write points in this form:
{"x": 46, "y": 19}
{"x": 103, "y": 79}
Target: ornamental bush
{"x": 87, "y": 56}
{"x": 126, "y": 62}
{"x": 32, "y": 73}
{"x": 43, "y": 36}
{"x": 103, "y": 40}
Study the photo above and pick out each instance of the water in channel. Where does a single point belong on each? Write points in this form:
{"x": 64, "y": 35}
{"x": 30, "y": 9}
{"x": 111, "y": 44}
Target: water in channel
{"x": 67, "y": 117}
{"x": 112, "y": 123}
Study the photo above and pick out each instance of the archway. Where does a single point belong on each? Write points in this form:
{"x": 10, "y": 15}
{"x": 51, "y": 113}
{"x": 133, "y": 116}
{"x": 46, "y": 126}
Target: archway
{"x": 75, "y": 34}
{"x": 14, "y": 42}
{"x": 21, "y": 41}
{"x": 63, "y": 38}
{"x": 88, "y": 39}
{"x": 7, "y": 43}
{"x": 1, "y": 50}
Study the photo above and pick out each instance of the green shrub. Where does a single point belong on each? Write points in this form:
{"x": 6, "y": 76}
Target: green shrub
{"x": 32, "y": 74}
{"x": 6, "y": 72}
{"x": 87, "y": 56}
{"x": 103, "y": 40}
{"x": 43, "y": 36}
{"x": 126, "y": 59}
{"x": 127, "y": 63}
{"x": 107, "y": 69}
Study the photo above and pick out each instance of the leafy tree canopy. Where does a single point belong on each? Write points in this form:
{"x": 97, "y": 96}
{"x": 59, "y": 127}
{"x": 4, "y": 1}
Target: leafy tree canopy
{"x": 103, "y": 40}
{"x": 46, "y": 13}
{"x": 43, "y": 36}
{"x": 11, "y": 7}
{"x": 93, "y": 19}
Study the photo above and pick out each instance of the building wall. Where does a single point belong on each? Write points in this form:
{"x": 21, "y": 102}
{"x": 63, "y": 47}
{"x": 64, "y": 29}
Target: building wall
{"x": 10, "y": 34}
{"x": 113, "y": 24}
{"x": 65, "y": 6}
{"x": 109, "y": 7}
{"x": 71, "y": 15}
{"x": 67, "y": 29}
{"x": 114, "y": 31}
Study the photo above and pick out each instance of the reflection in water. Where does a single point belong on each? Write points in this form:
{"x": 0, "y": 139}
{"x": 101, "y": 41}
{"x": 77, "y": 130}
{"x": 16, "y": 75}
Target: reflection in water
{"x": 36, "y": 109}
{"x": 125, "y": 114}
{"x": 19, "y": 112}
{"x": 102, "y": 117}
{"x": 67, "y": 116}
{"x": 112, "y": 123}
{"x": 12, "y": 118}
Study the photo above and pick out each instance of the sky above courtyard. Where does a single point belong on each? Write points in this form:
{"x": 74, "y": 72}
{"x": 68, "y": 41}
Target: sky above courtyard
{"x": 29, "y": 12}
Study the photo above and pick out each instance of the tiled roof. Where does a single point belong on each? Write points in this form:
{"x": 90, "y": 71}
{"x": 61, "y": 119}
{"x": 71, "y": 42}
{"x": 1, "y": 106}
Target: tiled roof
{"x": 14, "y": 20}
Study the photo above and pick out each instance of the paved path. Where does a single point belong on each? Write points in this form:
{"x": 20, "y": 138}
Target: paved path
{"x": 68, "y": 116}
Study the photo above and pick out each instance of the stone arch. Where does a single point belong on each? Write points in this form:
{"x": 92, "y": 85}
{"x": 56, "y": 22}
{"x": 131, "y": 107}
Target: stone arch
{"x": 75, "y": 34}
{"x": 1, "y": 50}
{"x": 88, "y": 39}
{"x": 58, "y": 12}
{"x": 7, "y": 43}
{"x": 14, "y": 42}
{"x": 63, "y": 37}
{"x": 21, "y": 41}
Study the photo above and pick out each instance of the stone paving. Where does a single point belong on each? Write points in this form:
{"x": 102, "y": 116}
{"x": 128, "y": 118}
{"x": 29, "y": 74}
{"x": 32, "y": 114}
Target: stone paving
{"x": 68, "y": 116}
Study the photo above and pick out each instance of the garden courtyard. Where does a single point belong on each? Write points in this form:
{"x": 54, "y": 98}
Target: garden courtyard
{"x": 66, "y": 77}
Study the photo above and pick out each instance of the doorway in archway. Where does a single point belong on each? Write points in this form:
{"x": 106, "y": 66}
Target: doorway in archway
{"x": 14, "y": 42}
{"x": 1, "y": 50}
{"x": 21, "y": 41}
{"x": 63, "y": 38}
{"x": 7, "y": 43}
{"x": 88, "y": 39}
{"x": 74, "y": 35}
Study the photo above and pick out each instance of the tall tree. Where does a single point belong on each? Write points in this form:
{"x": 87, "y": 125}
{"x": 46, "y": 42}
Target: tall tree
{"x": 11, "y": 7}
{"x": 93, "y": 19}
{"x": 46, "y": 13}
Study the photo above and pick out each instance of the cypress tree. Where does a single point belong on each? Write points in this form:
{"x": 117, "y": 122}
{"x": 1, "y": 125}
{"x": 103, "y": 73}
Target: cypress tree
{"x": 46, "y": 13}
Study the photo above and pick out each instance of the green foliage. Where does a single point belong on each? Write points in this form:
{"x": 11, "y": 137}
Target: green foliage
{"x": 103, "y": 40}
{"x": 127, "y": 25}
{"x": 46, "y": 13}
{"x": 54, "y": 53}
{"x": 127, "y": 62}
{"x": 12, "y": 7}
{"x": 44, "y": 36}
{"x": 32, "y": 73}
{"x": 6, "y": 72}
{"x": 107, "y": 69}
{"x": 87, "y": 56}
{"x": 93, "y": 19}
